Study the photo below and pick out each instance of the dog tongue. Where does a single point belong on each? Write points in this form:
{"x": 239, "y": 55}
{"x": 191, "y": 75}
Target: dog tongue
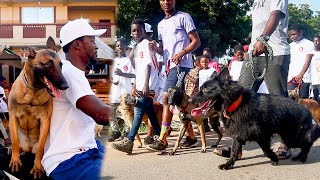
{"x": 171, "y": 108}
{"x": 197, "y": 111}
{"x": 54, "y": 90}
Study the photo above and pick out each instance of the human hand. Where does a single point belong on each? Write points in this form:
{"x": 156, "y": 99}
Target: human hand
{"x": 258, "y": 48}
{"x": 298, "y": 77}
{"x": 134, "y": 92}
{"x": 152, "y": 44}
{"x": 145, "y": 91}
{"x": 177, "y": 58}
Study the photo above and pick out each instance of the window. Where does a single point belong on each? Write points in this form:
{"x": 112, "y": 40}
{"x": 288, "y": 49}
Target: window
{"x": 37, "y": 15}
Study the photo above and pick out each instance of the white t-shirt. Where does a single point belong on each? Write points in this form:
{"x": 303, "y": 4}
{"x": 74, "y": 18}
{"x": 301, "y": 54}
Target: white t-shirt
{"x": 261, "y": 10}
{"x": 299, "y": 50}
{"x": 144, "y": 56}
{"x": 204, "y": 75}
{"x": 235, "y": 70}
{"x": 315, "y": 67}
{"x": 70, "y": 128}
{"x": 3, "y": 104}
{"x": 124, "y": 85}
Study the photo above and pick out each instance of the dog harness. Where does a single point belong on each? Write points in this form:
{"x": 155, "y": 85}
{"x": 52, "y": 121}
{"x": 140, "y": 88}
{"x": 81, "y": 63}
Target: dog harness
{"x": 232, "y": 107}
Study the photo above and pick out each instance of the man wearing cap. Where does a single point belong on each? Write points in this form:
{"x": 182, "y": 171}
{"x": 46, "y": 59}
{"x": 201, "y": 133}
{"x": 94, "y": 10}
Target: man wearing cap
{"x": 71, "y": 151}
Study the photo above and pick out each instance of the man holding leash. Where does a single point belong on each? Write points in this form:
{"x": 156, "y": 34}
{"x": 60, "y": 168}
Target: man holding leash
{"x": 71, "y": 151}
{"x": 269, "y": 24}
{"x": 177, "y": 39}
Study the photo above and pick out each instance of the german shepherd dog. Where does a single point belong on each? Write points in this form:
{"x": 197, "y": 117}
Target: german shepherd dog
{"x": 30, "y": 106}
{"x": 127, "y": 103}
{"x": 311, "y": 104}
{"x": 256, "y": 117}
{"x": 177, "y": 97}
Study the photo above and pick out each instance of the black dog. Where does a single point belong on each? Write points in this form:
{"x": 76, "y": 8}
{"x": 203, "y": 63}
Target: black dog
{"x": 177, "y": 97}
{"x": 256, "y": 117}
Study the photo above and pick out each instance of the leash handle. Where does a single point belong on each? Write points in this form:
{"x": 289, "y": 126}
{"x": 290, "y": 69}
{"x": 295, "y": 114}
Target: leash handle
{"x": 295, "y": 82}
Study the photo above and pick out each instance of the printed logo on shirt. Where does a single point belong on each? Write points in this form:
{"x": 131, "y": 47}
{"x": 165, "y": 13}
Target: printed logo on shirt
{"x": 125, "y": 68}
{"x": 141, "y": 54}
{"x": 301, "y": 49}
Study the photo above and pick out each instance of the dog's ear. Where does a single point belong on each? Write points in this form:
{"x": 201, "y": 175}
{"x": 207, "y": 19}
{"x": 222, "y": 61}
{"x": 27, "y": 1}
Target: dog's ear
{"x": 51, "y": 44}
{"x": 224, "y": 75}
{"x": 32, "y": 53}
{"x": 214, "y": 74}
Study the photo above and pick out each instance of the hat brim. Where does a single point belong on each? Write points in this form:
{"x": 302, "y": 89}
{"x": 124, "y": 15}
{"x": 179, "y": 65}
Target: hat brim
{"x": 98, "y": 32}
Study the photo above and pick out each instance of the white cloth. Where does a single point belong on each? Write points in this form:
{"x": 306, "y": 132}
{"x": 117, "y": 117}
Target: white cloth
{"x": 261, "y": 10}
{"x": 299, "y": 50}
{"x": 315, "y": 67}
{"x": 3, "y": 104}
{"x": 124, "y": 84}
{"x": 235, "y": 70}
{"x": 70, "y": 128}
{"x": 144, "y": 56}
{"x": 204, "y": 75}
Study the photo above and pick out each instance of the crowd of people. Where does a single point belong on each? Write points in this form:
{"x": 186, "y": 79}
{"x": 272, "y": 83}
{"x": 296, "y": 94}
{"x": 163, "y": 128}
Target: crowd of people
{"x": 293, "y": 65}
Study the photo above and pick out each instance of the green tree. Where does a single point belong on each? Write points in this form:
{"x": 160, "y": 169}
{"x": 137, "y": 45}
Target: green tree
{"x": 308, "y": 20}
{"x": 219, "y": 22}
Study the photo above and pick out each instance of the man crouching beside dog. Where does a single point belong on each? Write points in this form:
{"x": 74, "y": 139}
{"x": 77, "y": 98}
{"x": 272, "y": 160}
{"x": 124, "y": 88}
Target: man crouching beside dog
{"x": 71, "y": 151}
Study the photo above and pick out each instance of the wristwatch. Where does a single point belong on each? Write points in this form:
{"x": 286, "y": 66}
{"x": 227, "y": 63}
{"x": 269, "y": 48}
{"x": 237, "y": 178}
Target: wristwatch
{"x": 265, "y": 37}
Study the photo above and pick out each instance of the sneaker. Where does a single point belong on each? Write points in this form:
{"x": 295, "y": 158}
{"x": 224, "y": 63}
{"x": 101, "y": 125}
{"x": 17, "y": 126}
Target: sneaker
{"x": 188, "y": 142}
{"x": 157, "y": 145}
{"x": 148, "y": 140}
{"x": 113, "y": 136}
{"x": 125, "y": 146}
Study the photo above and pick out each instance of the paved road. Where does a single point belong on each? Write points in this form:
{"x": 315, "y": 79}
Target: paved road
{"x": 190, "y": 164}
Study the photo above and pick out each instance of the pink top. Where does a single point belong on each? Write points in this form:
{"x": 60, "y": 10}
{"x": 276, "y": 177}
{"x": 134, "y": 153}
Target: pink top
{"x": 215, "y": 65}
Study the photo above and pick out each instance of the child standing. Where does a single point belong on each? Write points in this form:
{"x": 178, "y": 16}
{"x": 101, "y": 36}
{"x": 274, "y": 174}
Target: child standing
{"x": 121, "y": 83}
{"x": 146, "y": 71}
{"x": 205, "y": 72}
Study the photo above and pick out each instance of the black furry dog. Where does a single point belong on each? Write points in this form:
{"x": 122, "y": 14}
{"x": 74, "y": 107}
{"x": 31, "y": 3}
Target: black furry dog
{"x": 256, "y": 117}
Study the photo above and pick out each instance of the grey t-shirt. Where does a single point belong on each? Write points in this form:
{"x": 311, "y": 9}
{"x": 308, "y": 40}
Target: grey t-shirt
{"x": 173, "y": 32}
{"x": 261, "y": 10}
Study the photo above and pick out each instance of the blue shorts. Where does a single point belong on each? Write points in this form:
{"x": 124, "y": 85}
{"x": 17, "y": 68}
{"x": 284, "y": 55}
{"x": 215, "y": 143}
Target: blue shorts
{"x": 82, "y": 166}
{"x": 172, "y": 77}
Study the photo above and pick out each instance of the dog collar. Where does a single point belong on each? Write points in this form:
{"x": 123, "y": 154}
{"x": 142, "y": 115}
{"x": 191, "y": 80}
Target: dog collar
{"x": 234, "y": 105}
{"x": 26, "y": 82}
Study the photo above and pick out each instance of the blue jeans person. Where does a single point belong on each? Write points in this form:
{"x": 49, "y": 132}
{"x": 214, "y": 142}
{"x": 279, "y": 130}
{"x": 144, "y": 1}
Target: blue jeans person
{"x": 144, "y": 105}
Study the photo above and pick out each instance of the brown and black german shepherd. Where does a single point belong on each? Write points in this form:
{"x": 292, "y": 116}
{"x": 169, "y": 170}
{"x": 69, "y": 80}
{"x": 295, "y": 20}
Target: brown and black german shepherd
{"x": 257, "y": 117}
{"x": 30, "y": 106}
{"x": 178, "y": 98}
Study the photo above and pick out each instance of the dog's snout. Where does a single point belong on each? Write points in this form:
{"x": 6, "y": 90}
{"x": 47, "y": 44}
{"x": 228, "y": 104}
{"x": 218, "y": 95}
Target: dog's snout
{"x": 64, "y": 86}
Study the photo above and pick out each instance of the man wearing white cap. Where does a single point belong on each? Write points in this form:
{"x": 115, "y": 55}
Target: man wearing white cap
{"x": 71, "y": 151}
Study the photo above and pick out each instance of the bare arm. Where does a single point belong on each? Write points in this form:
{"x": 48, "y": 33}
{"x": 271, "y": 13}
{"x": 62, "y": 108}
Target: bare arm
{"x": 305, "y": 67}
{"x": 157, "y": 49}
{"x": 131, "y": 57}
{"x": 145, "y": 89}
{"x": 195, "y": 43}
{"x": 120, "y": 73}
{"x": 193, "y": 80}
{"x": 271, "y": 25}
{"x": 92, "y": 106}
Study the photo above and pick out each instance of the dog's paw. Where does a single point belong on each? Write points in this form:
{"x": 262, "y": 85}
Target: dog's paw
{"x": 224, "y": 167}
{"x": 273, "y": 163}
{"x": 171, "y": 153}
{"x": 37, "y": 171}
{"x": 214, "y": 146}
{"x": 203, "y": 150}
{"x": 140, "y": 146}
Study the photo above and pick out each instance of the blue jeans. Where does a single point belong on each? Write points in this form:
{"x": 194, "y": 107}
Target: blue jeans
{"x": 144, "y": 105}
{"x": 172, "y": 78}
{"x": 82, "y": 166}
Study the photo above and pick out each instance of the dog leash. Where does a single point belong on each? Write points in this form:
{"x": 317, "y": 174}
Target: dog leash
{"x": 293, "y": 81}
{"x": 268, "y": 57}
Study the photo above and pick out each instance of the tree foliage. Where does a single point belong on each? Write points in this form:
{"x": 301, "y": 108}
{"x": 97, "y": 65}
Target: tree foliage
{"x": 219, "y": 22}
{"x": 309, "y": 21}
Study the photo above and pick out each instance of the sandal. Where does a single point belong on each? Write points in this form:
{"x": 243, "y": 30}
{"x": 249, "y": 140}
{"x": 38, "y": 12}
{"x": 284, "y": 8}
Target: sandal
{"x": 225, "y": 152}
{"x": 283, "y": 152}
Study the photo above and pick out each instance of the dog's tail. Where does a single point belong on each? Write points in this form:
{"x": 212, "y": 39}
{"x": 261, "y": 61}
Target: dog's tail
{"x": 315, "y": 133}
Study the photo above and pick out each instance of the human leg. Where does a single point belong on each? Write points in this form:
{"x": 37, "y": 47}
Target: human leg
{"x": 150, "y": 110}
{"x": 114, "y": 126}
{"x": 316, "y": 92}
{"x": 304, "y": 90}
{"x": 126, "y": 145}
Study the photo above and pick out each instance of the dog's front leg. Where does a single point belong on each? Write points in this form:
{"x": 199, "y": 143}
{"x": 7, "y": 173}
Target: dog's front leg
{"x": 202, "y": 134}
{"x": 15, "y": 162}
{"x": 183, "y": 128}
{"x": 235, "y": 148}
{"x": 37, "y": 169}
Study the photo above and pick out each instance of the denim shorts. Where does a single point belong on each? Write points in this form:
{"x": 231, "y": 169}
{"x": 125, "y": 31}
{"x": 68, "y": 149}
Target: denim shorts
{"x": 172, "y": 77}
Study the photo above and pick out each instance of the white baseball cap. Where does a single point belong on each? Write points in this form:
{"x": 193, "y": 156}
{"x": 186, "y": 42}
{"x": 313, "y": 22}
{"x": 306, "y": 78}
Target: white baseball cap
{"x": 77, "y": 28}
{"x": 148, "y": 27}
